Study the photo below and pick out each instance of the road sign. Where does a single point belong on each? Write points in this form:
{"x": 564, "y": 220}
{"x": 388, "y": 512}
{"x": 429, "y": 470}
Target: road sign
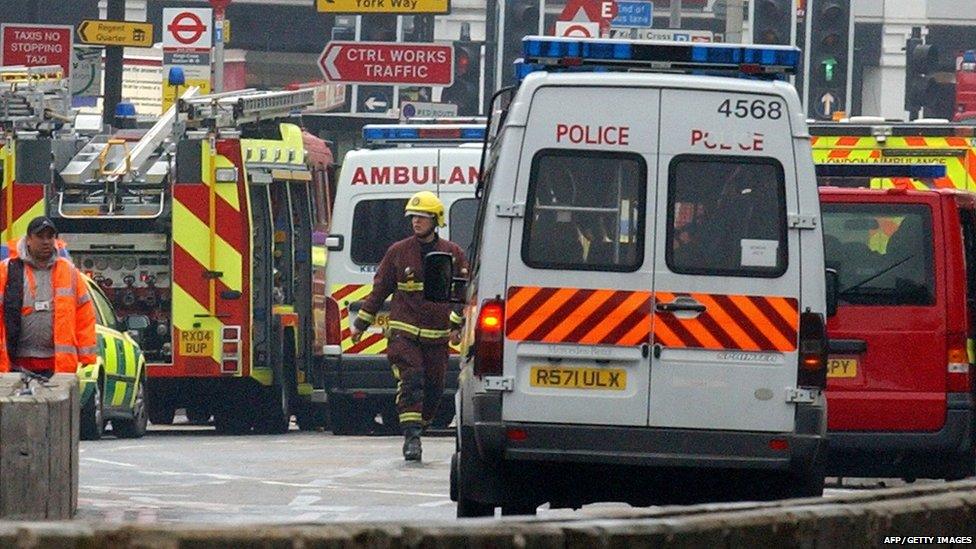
{"x": 187, "y": 28}
{"x": 419, "y": 109}
{"x": 573, "y": 29}
{"x": 37, "y": 45}
{"x": 116, "y": 33}
{"x": 384, "y": 6}
{"x": 86, "y": 72}
{"x": 592, "y": 11}
{"x": 664, "y": 34}
{"x": 388, "y": 63}
{"x": 827, "y": 103}
{"x": 633, "y": 14}
{"x": 377, "y": 102}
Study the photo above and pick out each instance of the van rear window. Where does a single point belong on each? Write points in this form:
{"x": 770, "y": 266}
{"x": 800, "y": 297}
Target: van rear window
{"x": 882, "y": 252}
{"x": 726, "y": 216}
{"x": 375, "y": 225}
{"x": 585, "y": 211}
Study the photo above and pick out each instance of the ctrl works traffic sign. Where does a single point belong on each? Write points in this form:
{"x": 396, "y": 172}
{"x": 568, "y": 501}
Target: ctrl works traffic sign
{"x": 390, "y": 63}
{"x": 37, "y": 45}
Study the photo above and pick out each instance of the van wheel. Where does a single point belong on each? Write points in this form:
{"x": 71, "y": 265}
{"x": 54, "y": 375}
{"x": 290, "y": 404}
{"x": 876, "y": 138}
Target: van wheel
{"x": 347, "y": 416}
{"x": 466, "y": 506}
{"x": 93, "y": 416}
{"x": 805, "y": 483}
{"x": 135, "y": 427}
{"x": 312, "y": 417}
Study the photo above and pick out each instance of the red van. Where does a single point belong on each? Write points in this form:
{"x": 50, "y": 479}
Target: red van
{"x": 900, "y": 388}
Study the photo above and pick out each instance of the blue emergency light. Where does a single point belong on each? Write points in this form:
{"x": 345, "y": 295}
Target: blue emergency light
{"x": 549, "y": 53}
{"x": 914, "y": 171}
{"x": 393, "y": 134}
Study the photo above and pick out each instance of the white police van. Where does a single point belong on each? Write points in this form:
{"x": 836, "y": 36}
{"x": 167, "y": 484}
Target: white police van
{"x": 646, "y": 310}
{"x": 373, "y": 186}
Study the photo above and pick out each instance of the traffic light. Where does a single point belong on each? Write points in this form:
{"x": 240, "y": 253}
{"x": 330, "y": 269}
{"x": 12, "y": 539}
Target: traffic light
{"x": 921, "y": 88}
{"x": 772, "y": 22}
{"x": 467, "y": 86}
{"x": 521, "y": 20}
{"x": 829, "y": 57}
{"x": 378, "y": 28}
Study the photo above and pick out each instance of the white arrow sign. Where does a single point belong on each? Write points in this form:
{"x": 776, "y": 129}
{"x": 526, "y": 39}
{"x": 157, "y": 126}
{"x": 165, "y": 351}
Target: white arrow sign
{"x": 828, "y": 103}
{"x": 332, "y": 73}
{"x": 373, "y": 103}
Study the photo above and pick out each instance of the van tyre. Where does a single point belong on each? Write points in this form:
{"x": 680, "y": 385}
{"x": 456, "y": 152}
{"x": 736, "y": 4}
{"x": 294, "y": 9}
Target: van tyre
{"x": 347, "y": 417}
{"x": 312, "y": 417}
{"x": 136, "y": 426}
{"x": 276, "y": 414}
{"x": 467, "y": 506}
{"x": 93, "y": 416}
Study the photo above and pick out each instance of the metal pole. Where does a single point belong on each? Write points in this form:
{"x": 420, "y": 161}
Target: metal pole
{"x": 113, "y": 65}
{"x": 219, "y": 50}
{"x": 675, "y": 21}
{"x": 733, "y": 21}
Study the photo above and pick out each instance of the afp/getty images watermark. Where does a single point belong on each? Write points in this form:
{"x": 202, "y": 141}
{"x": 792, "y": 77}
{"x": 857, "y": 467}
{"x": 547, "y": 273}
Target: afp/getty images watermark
{"x": 912, "y": 540}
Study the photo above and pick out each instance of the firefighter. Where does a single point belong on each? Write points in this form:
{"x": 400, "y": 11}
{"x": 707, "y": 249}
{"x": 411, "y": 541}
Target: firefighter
{"x": 419, "y": 330}
{"x": 48, "y": 317}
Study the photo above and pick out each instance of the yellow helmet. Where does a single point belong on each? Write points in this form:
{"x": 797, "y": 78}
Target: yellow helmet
{"x": 427, "y": 204}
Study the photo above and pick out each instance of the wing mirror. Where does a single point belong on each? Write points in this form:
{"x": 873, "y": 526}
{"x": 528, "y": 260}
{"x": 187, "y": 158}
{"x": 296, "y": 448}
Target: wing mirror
{"x": 440, "y": 284}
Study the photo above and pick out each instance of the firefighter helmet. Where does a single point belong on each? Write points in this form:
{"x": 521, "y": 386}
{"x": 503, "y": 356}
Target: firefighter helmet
{"x": 426, "y": 203}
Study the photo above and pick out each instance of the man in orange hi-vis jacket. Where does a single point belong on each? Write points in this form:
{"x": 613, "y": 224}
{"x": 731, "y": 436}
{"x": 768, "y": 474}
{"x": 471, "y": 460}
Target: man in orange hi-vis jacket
{"x": 48, "y": 318}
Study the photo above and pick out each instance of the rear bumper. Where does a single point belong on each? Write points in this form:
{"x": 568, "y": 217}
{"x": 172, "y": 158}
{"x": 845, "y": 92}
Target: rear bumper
{"x": 871, "y": 453}
{"x": 652, "y": 447}
{"x": 371, "y": 374}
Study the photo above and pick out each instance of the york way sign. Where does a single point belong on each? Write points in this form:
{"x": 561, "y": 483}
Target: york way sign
{"x": 388, "y": 63}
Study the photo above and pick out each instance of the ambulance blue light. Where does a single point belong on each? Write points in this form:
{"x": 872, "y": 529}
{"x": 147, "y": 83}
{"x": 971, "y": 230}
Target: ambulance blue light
{"x": 576, "y": 54}
{"x": 390, "y": 134}
{"x": 914, "y": 171}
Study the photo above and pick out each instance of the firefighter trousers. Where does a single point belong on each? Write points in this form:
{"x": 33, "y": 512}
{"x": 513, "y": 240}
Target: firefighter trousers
{"x": 420, "y": 369}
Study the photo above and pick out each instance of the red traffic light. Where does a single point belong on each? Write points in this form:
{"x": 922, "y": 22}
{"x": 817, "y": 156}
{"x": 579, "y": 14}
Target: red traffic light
{"x": 462, "y": 62}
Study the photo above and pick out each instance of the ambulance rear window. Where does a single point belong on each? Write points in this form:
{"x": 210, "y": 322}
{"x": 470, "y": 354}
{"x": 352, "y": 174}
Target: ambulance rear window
{"x": 726, "y": 216}
{"x": 585, "y": 211}
{"x": 375, "y": 225}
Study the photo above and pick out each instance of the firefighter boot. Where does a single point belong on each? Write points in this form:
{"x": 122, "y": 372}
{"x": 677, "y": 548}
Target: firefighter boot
{"x": 411, "y": 443}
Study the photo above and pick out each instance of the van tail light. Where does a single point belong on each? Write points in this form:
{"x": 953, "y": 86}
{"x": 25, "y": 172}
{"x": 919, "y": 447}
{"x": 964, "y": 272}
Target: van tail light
{"x": 333, "y": 331}
{"x": 489, "y": 338}
{"x": 958, "y": 370}
{"x": 812, "y": 368}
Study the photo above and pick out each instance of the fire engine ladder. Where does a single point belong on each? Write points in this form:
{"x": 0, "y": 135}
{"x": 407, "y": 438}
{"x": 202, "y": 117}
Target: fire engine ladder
{"x": 109, "y": 163}
{"x": 31, "y": 96}
{"x": 238, "y": 108}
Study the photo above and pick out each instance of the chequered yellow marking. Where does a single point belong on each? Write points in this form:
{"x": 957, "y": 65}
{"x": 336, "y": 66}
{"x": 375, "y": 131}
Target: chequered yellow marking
{"x": 191, "y": 235}
{"x": 375, "y": 349}
{"x": 226, "y": 191}
{"x": 826, "y": 150}
{"x": 185, "y": 309}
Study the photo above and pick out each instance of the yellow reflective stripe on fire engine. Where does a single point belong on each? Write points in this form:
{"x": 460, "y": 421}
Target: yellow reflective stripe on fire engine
{"x": 418, "y": 331}
{"x": 346, "y": 316}
{"x": 368, "y": 318}
{"x": 456, "y": 318}
{"x": 410, "y": 286}
{"x": 229, "y": 260}
{"x": 187, "y": 313}
{"x": 228, "y": 190}
{"x": 411, "y": 417}
{"x": 20, "y": 224}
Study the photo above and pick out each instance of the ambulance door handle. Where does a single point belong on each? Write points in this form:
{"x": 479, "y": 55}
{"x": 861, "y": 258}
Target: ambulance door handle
{"x": 645, "y": 350}
{"x": 680, "y": 306}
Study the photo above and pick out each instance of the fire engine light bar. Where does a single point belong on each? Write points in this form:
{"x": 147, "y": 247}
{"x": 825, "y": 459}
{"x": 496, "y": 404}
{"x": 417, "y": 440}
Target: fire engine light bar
{"x": 392, "y": 134}
{"x": 553, "y": 53}
{"x": 914, "y": 171}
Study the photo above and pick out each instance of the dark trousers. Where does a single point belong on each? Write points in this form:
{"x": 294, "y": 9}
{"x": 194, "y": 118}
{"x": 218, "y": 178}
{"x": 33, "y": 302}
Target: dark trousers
{"x": 419, "y": 368}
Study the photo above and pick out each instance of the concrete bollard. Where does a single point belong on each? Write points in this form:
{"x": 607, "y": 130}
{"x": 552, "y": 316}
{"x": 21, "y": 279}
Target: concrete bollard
{"x": 39, "y": 448}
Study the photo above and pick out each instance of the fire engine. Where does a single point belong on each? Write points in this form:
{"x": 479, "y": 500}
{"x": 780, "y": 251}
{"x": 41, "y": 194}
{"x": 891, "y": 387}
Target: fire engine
{"x": 873, "y": 140}
{"x": 966, "y": 87}
{"x": 212, "y": 224}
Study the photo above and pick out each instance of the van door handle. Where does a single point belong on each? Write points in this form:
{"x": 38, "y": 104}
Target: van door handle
{"x": 678, "y": 306}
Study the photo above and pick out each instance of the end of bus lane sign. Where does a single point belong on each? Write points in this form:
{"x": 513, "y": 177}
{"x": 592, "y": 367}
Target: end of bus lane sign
{"x": 406, "y": 7}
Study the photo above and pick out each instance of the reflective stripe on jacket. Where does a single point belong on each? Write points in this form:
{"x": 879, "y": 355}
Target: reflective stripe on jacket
{"x": 74, "y": 318}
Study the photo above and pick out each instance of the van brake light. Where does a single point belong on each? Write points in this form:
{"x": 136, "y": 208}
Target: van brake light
{"x": 489, "y": 338}
{"x": 812, "y": 367}
{"x": 958, "y": 377}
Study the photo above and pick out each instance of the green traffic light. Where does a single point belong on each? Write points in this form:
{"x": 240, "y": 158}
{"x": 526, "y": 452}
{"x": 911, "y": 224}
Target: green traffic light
{"x": 829, "y": 65}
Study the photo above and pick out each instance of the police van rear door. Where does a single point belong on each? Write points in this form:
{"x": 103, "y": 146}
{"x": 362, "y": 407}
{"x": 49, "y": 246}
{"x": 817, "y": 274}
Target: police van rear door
{"x": 578, "y": 292}
{"x": 727, "y": 269}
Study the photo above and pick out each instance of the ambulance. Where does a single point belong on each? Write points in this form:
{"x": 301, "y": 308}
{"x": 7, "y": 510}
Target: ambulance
{"x": 645, "y": 319}
{"x": 373, "y": 187}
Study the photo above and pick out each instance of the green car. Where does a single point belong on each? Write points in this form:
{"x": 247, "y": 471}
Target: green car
{"x": 113, "y": 390}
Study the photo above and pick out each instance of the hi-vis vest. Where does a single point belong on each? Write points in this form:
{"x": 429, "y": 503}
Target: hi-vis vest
{"x": 74, "y": 318}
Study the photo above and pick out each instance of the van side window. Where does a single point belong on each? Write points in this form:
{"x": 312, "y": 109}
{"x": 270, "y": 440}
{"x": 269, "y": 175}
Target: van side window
{"x": 726, "y": 216}
{"x": 585, "y": 211}
{"x": 376, "y": 224}
{"x": 882, "y": 252}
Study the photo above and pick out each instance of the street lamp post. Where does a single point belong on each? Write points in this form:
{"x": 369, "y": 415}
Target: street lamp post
{"x": 219, "y": 7}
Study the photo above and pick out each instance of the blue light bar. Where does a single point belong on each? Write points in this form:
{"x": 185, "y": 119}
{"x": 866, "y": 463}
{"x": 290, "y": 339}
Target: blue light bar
{"x": 914, "y": 171}
{"x": 969, "y": 56}
{"x": 569, "y": 54}
{"x": 392, "y": 134}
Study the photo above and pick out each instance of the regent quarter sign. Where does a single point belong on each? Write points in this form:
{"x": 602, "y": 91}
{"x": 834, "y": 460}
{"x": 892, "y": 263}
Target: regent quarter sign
{"x": 406, "y": 7}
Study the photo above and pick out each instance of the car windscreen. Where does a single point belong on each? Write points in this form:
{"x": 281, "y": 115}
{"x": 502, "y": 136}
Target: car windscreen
{"x": 882, "y": 253}
{"x": 375, "y": 225}
{"x": 461, "y": 222}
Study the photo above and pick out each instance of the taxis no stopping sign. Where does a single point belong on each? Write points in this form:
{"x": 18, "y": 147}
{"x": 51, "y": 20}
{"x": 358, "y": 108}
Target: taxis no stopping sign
{"x": 389, "y": 63}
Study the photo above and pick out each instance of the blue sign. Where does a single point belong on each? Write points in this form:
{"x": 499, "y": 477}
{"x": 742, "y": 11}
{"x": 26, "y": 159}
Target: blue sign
{"x": 634, "y": 14}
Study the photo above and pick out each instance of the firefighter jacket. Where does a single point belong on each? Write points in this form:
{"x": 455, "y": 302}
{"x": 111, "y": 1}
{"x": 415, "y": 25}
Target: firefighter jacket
{"x": 73, "y": 317}
{"x": 401, "y": 273}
